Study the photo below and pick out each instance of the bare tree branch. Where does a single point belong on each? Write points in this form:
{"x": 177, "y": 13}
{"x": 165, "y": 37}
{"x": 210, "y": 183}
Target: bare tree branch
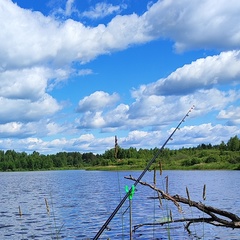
{"x": 218, "y": 217}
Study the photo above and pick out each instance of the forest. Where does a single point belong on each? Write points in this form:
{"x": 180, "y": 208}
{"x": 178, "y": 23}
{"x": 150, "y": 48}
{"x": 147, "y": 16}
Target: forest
{"x": 204, "y": 156}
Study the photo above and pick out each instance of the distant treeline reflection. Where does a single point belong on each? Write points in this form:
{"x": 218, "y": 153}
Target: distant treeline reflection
{"x": 204, "y": 156}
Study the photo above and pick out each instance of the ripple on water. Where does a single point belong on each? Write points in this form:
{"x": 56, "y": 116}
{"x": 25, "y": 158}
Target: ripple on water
{"x": 6, "y": 226}
{"x": 81, "y": 201}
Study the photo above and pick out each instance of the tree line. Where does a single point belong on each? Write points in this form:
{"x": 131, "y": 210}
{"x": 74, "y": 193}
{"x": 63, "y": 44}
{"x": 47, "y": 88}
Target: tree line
{"x": 223, "y": 155}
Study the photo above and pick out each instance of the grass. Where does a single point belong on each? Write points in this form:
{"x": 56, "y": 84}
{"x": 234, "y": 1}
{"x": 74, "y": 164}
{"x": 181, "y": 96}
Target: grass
{"x": 201, "y": 166}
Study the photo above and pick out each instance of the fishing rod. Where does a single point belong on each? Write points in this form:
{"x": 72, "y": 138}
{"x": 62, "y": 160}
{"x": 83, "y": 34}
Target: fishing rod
{"x": 104, "y": 226}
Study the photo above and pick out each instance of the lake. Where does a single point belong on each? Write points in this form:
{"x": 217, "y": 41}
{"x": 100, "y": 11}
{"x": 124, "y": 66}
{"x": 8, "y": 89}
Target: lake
{"x": 79, "y": 203}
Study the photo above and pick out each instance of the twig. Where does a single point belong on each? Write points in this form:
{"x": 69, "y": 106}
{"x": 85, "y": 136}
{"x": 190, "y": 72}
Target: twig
{"x": 218, "y": 217}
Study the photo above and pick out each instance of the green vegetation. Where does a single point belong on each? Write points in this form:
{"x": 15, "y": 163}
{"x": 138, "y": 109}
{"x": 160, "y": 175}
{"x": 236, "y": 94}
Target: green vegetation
{"x": 204, "y": 156}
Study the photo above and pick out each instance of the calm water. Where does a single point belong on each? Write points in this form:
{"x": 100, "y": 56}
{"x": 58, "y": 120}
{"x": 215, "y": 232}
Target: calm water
{"x": 81, "y": 201}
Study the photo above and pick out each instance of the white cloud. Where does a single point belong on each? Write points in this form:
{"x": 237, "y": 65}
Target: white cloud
{"x": 22, "y": 130}
{"x": 187, "y": 136}
{"x": 32, "y": 144}
{"x": 190, "y": 136}
{"x": 24, "y": 83}
{"x": 30, "y": 83}
{"x": 69, "y": 7}
{"x": 25, "y": 110}
{"x": 135, "y": 137}
{"x": 23, "y": 94}
{"x": 102, "y": 9}
{"x": 97, "y": 101}
{"x": 11, "y": 129}
{"x": 84, "y": 72}
{"x": 204, "y": 73}
{"x": 116, "y": 118}
{"x": 37, "y": 52}
{"x": 196, "y": 24}
{"x": 28, "y": 38}
{"x": 52, "y": 128}
{"x": 231, "y": 114}
{"x": 86, "y": 138}
{"x": 91, "y": 120}
{"x": 25, "y": 36}
{"x": 153, "y": 111}
{"x": 33, "y": 130}
{"x": 108, "y": 121}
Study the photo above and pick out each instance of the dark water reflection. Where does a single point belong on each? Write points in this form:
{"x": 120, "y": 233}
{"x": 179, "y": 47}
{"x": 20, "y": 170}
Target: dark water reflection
{"x": 81, "y": 201}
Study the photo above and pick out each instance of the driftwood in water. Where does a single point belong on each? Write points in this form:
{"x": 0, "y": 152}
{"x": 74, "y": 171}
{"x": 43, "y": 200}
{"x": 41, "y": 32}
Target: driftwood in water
{"x": 217, "y": 217}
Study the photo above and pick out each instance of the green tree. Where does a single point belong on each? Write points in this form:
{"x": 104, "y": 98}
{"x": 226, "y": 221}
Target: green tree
{"x": 1, "y": 155}
{"x": 89, "y": 158}
{"x": 233, "y": 144}
{"x": 222, "y": 146}
{"x": 109, "y": 154}
{"x": 30, "y": 163}
{"x": 47, "y": 162}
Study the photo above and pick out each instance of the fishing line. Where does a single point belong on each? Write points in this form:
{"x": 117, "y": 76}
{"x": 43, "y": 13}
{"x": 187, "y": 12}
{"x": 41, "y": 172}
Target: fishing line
{"x": 154, "y": 205}
{"x": 120, "y": 197}
{"x": 104, "y": 226}
{"x": 119, "y": 186}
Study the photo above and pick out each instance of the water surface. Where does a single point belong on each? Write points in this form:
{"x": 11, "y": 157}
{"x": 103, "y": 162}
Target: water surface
{"x": 81, "y": 201}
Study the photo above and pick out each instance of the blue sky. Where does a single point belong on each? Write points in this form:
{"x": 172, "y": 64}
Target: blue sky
{"x": 73, "y": 74}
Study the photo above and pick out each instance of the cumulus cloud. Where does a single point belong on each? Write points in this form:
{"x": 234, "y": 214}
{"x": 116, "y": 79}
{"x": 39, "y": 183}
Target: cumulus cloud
{"x": 24, "y": 83}
{"x": 116, "y": 118}
{"x": 14, "y": 129}
{"x": 53, "y": 39}
{"x": 21, "y": 130}
{"x": 91, "y": 120}
{"x": 37, "y": 53}
{"x": 231, "y": 114}
{"x": 26, "y": 110}
{"x": 153, "y": 112}
{"x": 23, "y": 95}
{"x": 196, "y": 24}
{"x": 204, "y": 133}
{"x": 97, "y": 101}
{"x": 203, "y": 73}
{"x": 28, "y": 37}
{"x": 24, "y": 38}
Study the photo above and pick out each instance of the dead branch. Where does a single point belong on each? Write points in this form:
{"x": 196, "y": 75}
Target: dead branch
{"x": 218, "y": 217}
{"x": 189, "y": 220}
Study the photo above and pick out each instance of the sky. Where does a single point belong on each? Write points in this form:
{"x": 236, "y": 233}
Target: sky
{"x": 75, "y": 74}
